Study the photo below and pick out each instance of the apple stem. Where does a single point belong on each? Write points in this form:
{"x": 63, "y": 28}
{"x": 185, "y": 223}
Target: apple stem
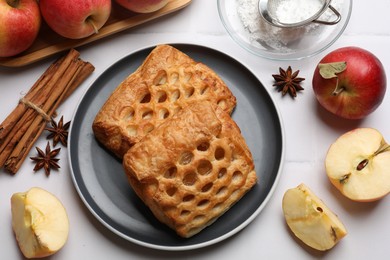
{"x": 337, "y": 90}
{"x": 90, "y": 21}
{"x": 383, "y": 148}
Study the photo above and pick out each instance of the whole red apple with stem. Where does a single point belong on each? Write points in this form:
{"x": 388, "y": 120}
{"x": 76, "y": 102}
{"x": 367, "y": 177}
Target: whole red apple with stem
{"x": 350, "y": 82}
{"x": 20, "y": 21}
{"x": 75, "y": 19}
{"x": 142, "y": 6}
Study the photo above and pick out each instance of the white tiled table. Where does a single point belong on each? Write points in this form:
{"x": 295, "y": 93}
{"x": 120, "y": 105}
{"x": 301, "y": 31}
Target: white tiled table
{"x": 308, "y": 130}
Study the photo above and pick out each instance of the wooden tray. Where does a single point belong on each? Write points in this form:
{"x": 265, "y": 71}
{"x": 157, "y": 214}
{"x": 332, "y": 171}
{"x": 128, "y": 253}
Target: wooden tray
{"x": 49, "y": 43}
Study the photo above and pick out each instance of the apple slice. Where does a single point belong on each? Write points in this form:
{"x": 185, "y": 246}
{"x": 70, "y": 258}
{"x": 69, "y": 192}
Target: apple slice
{"x": 358, "y": 164}
{"x": 39, "y": 221}
{"x": 310, "y": 219}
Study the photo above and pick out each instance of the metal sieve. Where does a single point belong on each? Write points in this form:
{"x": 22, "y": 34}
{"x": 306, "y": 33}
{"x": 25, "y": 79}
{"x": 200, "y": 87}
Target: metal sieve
{"x": 269, "y": 11}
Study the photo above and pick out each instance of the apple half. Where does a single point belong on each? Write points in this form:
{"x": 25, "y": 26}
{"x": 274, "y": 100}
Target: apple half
{"x": 310, "y": 219}
{"x": 358, "y": 164}
{"x": 39, "y": 221}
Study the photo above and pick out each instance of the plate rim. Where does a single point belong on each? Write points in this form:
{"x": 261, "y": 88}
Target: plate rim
{"x": 197, "y": 245}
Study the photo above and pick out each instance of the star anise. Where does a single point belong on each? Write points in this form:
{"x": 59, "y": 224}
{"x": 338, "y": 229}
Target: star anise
{"x": 46, "y": 160}
{"x": 59, "y": 132}
{"x": 287, "y": 81}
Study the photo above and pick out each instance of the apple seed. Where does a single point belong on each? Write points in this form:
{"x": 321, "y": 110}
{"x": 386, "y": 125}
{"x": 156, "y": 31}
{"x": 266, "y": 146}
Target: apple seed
{"x": 344, "y": 178}
{"x": 362, "y": 164}
{"x": 382, "y": 148}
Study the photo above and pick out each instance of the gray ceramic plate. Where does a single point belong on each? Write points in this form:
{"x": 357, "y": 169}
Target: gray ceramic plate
{"x": 100, "y": 180}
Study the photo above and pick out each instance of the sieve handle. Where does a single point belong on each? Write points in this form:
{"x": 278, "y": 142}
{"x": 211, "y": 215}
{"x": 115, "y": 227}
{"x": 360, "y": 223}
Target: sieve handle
{"x": 338, "y": 17}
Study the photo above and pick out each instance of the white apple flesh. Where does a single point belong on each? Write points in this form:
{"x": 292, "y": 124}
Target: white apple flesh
{"x": 310, "y": 219}
{"x": 358, "y": 164}
{"x": 75, "y": 19}
{"x": 39, "y": 221}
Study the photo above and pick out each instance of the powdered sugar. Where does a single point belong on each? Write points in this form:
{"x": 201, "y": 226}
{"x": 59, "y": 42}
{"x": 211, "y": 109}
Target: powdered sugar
{"x": 275, "y": 37}
{"x": 294, "y": 11}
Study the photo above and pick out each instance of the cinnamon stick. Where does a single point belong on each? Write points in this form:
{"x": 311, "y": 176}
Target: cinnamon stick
{"x": 24, "y": 125}
{"x": 10, "y": 121}
{"x": 84, "y": 71}
{"x": 15, "y": 160}
{"x": 20, "y": 152}
{"x": 20, "y": 119}
{"x": 37, "y": 123}
{"x": 7, "y": 125}
{"x": 19, "y": 129}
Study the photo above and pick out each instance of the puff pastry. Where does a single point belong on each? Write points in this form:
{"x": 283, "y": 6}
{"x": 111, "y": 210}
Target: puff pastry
{"x": 166, "y": 81}
{"x": 192, "y": 168}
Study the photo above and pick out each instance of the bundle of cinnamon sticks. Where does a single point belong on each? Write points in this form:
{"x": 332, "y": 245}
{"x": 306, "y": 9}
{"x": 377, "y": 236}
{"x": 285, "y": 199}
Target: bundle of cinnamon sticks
{"x": 22, "y": 127}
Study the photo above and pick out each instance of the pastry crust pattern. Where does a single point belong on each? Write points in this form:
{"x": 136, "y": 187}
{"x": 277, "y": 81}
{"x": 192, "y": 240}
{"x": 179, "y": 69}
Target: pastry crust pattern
{"x": 165, "y": 82}
{"x": 192, "y": 168}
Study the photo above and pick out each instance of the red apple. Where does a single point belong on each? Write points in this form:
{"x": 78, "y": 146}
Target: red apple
{"x": 352, "y": 91}
{"x": 75, "y": 19}
{"x": 20, "y": 21}
{"x": 142, "y": 6}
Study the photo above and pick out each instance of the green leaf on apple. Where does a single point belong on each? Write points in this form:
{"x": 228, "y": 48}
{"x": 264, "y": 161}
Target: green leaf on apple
{"x": 330, "y": 70}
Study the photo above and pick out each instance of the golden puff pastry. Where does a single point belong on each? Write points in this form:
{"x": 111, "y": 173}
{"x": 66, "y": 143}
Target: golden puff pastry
{"x": 166, "y": 81}
{"x": 192, "y": 168}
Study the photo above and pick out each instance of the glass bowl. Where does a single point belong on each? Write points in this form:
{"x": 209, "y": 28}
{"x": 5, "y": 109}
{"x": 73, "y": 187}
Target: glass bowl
{"x": 245, "y": 25}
